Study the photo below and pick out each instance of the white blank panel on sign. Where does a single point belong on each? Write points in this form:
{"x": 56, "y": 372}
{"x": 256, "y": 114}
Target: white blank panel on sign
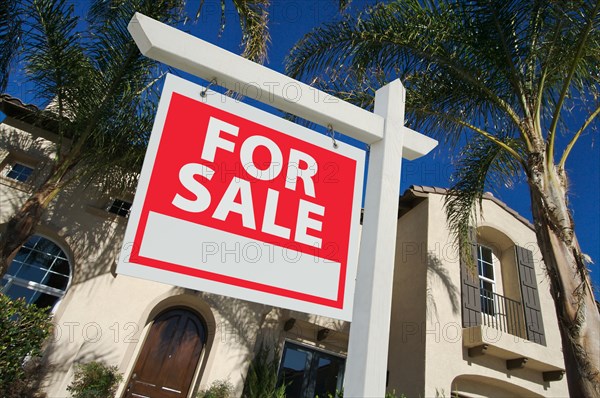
{"x": 239, "y": 257}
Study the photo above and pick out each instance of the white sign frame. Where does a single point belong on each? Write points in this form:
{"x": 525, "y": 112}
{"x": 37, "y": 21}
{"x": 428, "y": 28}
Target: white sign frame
{"x": 170, "y": 240}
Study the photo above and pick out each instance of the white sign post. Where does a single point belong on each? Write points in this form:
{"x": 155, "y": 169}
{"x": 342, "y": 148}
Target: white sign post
{"x": 369, "y": 341}
{"x": 383, "y": 130}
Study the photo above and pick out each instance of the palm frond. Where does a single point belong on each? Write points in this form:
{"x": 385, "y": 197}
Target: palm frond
{"x": 55, "y": 61}
{"x": 118, "y": 119}
{"x": 101, "y": 89}
{"x": 482, "y": 166}
{"x": 575, "y": 79}
{"x": 438, "y": 46}
{"x": 254, "y": 19}
{"x": 10, "y": 37}
{"x": 500, "y": 64}
{"x": 253, "y": 16}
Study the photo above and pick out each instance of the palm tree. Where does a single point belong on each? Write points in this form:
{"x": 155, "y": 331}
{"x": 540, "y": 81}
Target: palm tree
{"x": 505, "y": 72}
{"x": 101, "y": 95}
{"x": 101, "y": 90}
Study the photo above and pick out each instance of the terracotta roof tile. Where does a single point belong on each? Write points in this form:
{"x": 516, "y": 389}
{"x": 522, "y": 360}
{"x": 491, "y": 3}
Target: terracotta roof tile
{"x": 7, "y": 98}
{"x": 424, "y": 189}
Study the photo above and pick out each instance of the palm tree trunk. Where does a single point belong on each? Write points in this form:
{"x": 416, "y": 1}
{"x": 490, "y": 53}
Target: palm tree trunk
{"x": 577, "y": 312}
{"x": 23, "y": 223}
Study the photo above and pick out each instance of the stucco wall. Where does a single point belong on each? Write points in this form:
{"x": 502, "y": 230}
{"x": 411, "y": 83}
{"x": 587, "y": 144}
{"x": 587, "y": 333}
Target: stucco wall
{"x": 406, "y": 358}
{"x": 108, "y": 319}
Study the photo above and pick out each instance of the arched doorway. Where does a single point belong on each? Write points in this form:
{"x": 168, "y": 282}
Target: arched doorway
{"x": 476, "y": 386}
{"x": 166, "y": 365}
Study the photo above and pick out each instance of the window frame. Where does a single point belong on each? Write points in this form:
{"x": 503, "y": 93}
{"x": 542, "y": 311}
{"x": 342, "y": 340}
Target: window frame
{"x": 119, "y": 208}
{"x": 311, "y": 379}
{"x": 10, "y": 166}
{"x": 11, "y": 280}
{"x": 487, "y": 303}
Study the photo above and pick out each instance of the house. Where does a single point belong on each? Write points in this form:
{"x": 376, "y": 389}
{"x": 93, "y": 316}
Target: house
{"x": 486, "y": 329}
{"x": 483, "y": 329}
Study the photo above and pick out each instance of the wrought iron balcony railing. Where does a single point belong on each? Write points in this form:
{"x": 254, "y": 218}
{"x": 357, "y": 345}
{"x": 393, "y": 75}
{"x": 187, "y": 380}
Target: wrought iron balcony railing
{"x": 502, "y": 313}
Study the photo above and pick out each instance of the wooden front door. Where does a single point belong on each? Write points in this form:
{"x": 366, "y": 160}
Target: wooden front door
{"x": 166, "y": 364}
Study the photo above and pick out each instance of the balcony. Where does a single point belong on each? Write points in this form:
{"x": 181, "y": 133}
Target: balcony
{"x": 502, "y": 333}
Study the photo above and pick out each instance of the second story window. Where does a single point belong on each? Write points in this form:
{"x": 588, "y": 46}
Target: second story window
{"x": 18, "y": 171}
{"x": 487, "y": 283}
{"x": 120, "y": 207}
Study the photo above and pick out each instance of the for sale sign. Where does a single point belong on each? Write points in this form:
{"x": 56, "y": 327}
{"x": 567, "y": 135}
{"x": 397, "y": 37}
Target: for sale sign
{"x": 236, "y": 201}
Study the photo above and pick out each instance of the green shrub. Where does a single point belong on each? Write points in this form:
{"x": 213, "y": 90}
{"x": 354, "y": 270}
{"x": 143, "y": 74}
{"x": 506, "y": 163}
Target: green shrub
{"x": 218, "y": 389}
{"x": 94, "y": 380}
{"x": 23, "y": 330}
{"x": 338, "y": 394}
{"x": 28, "y": 386}
{"x": 261, "y": 380}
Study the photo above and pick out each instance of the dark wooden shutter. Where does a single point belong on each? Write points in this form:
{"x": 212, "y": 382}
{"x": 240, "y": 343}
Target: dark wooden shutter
{"x": 471, "y": 295}
{"x": 530, "y": 295}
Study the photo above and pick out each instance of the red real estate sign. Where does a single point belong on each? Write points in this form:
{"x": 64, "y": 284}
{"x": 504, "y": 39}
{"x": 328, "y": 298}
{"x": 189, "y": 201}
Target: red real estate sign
{"x": 236, "y": 201}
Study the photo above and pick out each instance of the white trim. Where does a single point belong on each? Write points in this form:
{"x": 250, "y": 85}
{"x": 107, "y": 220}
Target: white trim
{"x": 493, "y": 264}
{"x": 31, "y": 285}
{"x": 312, "y": 347}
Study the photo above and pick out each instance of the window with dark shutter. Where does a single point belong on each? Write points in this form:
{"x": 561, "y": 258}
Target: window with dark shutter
{"x": 530, "y": 296}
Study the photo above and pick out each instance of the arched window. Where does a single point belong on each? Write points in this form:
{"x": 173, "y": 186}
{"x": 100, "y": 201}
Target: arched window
{"x": 39, "y": 273}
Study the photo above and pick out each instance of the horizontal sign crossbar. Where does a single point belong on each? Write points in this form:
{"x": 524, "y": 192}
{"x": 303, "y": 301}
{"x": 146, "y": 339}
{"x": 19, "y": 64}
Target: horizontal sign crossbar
{"x": 200, "y": 58}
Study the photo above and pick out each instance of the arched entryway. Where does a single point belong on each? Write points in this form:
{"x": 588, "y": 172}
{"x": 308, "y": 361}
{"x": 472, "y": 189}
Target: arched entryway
{"x": 167, "y": 362}
{"x": 477, "y": 386}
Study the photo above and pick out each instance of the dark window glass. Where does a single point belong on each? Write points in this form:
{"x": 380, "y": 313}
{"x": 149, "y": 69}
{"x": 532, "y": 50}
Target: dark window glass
{"x": 293, "y": 370}
{"x": 487, "y": 298}
{"x": 485, "y": 263}
{"x": 327, "y": 376}
{"x": 486, "y": 254}
{"x": 19, "y": 172}
{"x": 308, "y": 373}
{"x": 120, "y": 208}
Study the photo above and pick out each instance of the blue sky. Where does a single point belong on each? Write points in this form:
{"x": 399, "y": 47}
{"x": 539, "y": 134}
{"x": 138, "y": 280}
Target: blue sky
{"x": 290, "y": 19}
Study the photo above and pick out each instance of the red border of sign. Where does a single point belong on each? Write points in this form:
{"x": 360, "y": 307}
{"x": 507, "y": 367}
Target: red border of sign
{"x": 133, "y": 264}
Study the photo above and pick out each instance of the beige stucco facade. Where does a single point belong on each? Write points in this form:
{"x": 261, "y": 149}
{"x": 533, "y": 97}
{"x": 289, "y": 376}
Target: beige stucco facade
{"x": 107, "y": 317}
